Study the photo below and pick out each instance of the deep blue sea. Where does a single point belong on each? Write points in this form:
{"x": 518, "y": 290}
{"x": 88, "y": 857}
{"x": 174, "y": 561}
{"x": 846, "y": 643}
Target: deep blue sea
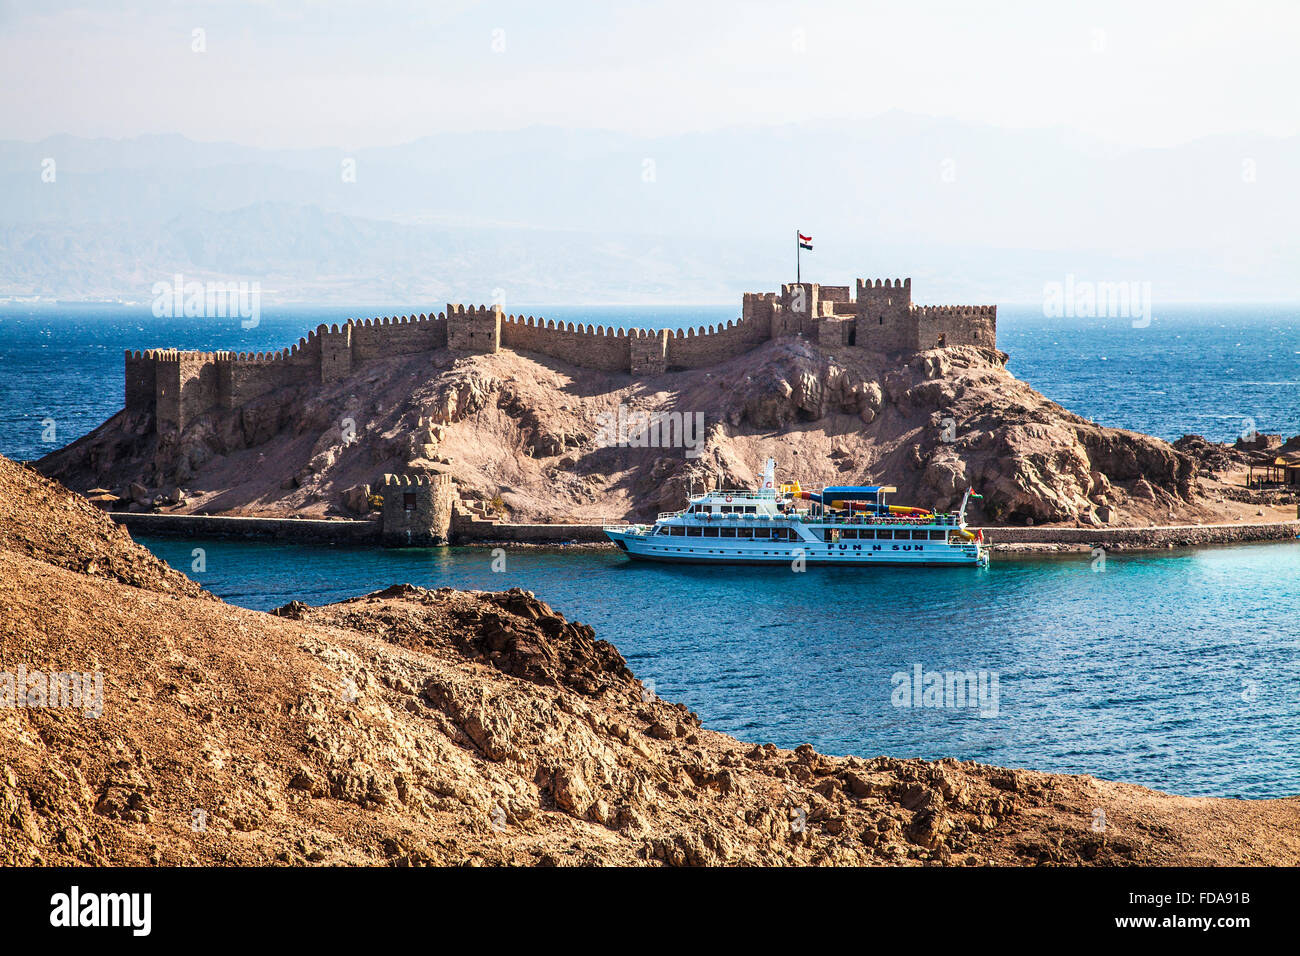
{"x": 1179, "y": 671}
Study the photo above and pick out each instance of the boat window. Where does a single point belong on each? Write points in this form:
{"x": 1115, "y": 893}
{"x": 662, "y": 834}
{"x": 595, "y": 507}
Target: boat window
{"x": 677, "y": 530}
{"x": 728, "y": 532}
{"x": 744, "y": 532}
{"x": 849, "y": 533}
{"x": 763, "y": 533}
{"x": 938, "y": 535}
{"x": 884, "y": 535}
{"x": 711, "y": 532}
{"x": 751, "y": 509}
{"x": 694, "y": 532}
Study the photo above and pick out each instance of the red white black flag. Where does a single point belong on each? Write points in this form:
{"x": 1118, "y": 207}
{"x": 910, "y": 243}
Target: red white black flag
{"x": 805, "y": 242}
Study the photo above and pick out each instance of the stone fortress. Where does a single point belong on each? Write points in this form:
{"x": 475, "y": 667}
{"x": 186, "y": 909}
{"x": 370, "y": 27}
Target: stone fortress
{"x": 174, "y": 388}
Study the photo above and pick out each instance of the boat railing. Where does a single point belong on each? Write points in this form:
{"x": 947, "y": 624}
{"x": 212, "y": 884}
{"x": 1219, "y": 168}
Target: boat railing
{"x": 746, "y": 494}
{"x": 633, "y": 526}
{"x": 878, "y": 519}
{"x": 804, "y": 517}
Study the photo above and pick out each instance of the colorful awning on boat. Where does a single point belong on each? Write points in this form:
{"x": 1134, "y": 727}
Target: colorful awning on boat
{"x": 849, "y": 492}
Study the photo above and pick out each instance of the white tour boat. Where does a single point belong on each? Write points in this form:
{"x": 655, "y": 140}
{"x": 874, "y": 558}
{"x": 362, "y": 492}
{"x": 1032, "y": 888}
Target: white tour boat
{"x": 781, "y": 525}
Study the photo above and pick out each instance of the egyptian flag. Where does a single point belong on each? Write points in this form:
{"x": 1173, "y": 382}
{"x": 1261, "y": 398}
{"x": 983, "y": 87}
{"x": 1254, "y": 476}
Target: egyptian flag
{"x": 805, "y": 242}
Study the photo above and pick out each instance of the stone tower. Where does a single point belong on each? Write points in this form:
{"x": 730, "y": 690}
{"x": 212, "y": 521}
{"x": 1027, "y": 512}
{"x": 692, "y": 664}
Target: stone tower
{"x": 885, "y": 314}
{"x": 474, "y": 330}
{"x": 417, "y": 510}
{"x": 335, "y": 352}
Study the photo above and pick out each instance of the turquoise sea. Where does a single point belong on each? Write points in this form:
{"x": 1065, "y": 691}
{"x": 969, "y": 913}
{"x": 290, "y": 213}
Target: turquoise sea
{"x": 1179, "y": 671}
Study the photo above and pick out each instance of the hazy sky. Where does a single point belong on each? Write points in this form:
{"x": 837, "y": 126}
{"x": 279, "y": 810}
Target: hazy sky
{"x": 287, "y": 73}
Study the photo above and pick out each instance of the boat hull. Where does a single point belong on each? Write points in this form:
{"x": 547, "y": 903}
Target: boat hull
{"x": 669, "y": 551}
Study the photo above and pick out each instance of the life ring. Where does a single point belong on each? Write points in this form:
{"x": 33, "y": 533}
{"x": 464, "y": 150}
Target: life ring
{"x": 728, "y": 497}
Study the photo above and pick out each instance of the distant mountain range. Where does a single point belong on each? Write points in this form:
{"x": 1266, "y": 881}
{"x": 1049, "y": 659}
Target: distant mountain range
{"x": 973, "y": 214}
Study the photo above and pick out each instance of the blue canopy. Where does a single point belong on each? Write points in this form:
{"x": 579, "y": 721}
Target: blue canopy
{"x": 854, "y": 492}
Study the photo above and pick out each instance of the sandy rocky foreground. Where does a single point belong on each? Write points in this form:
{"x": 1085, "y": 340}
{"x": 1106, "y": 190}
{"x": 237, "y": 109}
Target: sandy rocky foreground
{"x": 527, "y": 433}
{"x": 412, "y": 727}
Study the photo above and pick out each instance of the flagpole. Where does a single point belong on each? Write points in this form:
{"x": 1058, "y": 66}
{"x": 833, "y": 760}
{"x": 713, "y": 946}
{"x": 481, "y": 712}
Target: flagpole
{"x": 798, "y": 246}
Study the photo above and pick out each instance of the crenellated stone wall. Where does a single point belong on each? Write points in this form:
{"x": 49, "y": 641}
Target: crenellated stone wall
{"x": 174, "y": 388}
{"x": 648, "y": 352}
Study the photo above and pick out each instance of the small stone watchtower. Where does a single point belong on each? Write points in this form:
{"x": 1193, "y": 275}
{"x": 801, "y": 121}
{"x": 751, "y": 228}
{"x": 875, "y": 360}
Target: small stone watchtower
{"x": 417, "y": 510}
{"x": 884, "y": 315}
{"x": 474, "y": 330}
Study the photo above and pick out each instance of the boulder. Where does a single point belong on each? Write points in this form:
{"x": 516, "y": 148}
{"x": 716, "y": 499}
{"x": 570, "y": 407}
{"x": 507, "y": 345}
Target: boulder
{"x": 357, "y": 499}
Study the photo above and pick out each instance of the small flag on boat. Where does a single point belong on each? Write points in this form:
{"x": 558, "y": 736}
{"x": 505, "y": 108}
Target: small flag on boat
{"x": 805, "y": 242}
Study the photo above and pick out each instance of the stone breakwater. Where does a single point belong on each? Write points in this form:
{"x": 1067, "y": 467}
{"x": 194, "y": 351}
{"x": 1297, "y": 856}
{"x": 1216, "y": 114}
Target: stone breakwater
{"x": 305, "y": 530}
{"x": 1146, "y": 538}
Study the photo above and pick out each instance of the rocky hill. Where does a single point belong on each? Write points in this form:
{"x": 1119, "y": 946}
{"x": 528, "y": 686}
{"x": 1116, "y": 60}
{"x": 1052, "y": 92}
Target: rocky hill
{"x": 413, "y": 727}
{"x": 544, "y": 439}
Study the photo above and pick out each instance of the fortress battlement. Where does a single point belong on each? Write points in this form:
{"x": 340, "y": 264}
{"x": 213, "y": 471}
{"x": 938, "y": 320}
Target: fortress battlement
{"x": 956, "y": 309}
{"x": 175, "y": 387}
{"x": 411, "y": 481}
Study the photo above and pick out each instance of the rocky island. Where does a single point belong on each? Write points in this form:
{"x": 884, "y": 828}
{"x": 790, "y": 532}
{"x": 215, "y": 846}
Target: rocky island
{"x": 514, "y": 414}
